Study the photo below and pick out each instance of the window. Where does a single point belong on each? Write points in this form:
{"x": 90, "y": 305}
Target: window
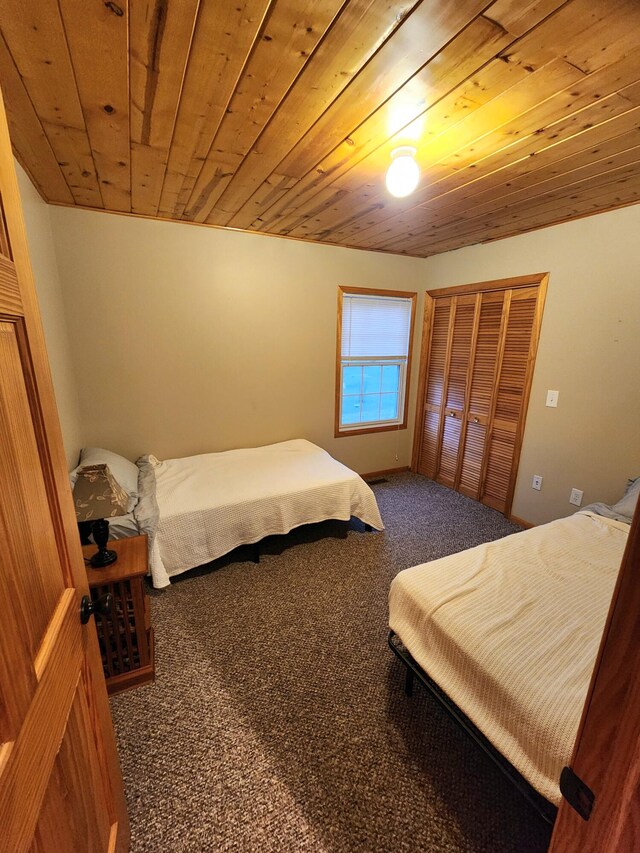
{"x": 375, "y": 329}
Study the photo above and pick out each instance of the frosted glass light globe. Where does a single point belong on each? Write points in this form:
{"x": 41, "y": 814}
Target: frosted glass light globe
{"x": 404, "y": 173}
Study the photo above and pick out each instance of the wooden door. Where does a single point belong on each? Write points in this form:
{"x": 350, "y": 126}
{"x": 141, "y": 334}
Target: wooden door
{"x": 433, "y": 386}
{"x": 516, "y": 357}
{"x": 60, "y": 783}
{"x": 476, "y": 371}
{"x": 481, "y": 392}
{"x": 606, "y": 755}
{"x": 456, "y": 381}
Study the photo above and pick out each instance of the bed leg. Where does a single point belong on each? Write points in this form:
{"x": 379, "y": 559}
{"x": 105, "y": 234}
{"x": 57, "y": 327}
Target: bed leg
{"x": 408, "y": 682}
{"x": 368, "y": 528}
{"x": 255, "y": 552}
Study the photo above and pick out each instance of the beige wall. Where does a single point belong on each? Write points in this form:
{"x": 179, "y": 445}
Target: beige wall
{"x": 45, "y": 273}
{"x": 189, "y": 339}
{"x": 589, "y": 351}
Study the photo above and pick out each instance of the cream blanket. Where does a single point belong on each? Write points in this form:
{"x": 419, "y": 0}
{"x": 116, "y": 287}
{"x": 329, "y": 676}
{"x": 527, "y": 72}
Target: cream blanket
{"x": 210, "y": 504}
{"x": 510, "y": 631}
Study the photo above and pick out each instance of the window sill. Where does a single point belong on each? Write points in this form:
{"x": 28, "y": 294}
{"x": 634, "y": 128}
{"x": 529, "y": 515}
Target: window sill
{"x": 342, "y": 433}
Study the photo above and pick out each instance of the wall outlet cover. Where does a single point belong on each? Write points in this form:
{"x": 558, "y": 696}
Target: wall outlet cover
{"x": 576, "y": 497}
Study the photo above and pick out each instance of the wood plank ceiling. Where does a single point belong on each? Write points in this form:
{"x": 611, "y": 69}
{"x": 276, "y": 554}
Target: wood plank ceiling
{"x": 279, "y": 116}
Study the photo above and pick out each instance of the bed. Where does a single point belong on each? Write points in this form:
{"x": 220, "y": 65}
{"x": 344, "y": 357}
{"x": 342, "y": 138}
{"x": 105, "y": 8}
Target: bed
{"x": 507, "y": 633}
{"x": 198, "y": 508}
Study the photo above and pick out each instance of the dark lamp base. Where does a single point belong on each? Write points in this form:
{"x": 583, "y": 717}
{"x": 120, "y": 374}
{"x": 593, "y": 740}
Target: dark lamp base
{"x": 103, "y": 558}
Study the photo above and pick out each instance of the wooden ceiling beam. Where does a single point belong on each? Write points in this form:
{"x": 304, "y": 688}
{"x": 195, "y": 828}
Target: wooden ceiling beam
{"x": 231, "y": 28}
{"x": 578, "y": 192}
{"x": 30, "y": 143}
{"x": 627, "y": 194}
{"x": 466, "y": 139}
{"x": 291, "y": 36}
{"x": 98, "y": 48}
{"x": 35, "y": 35}
{"x": 560, "y": 143}
{"x": 595, "y": 100}
{"x": 479, "y": 43}
{"x": 362, "y": 28}
{"x": 460, "y": 60}
{"x": 160, "y": 36}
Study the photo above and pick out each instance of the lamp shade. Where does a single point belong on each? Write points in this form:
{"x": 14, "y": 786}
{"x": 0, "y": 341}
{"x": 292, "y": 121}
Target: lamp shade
{"x": 97, "y": 494}
{"x": 404, "y": 173}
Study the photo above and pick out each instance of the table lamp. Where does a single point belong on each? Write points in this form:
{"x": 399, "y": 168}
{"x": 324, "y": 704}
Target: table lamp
{"x": 97, "y": 497}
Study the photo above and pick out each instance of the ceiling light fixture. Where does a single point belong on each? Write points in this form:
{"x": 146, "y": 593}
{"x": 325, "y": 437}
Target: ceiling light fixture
{"x": 404, "y": 173}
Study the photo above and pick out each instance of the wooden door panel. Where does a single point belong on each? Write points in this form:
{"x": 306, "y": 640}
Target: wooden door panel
{"x": 499, "y": 467}
{"x": 60, "y": 785}
{"x": 449, "y": 452}
{"x": 24, "y": 776}
{"x": 511, "y": 389}
{"x": 33, "y": 549}
{"x": 82, "y": 826}
{"x": 460, "y": 351}
{"x": 515, "y": 360}
{"x": 472, "y": 456}
{"x": 456, "y": 389}
{"x": 428, "y": 448}
{"x": 481, "y": 392}
{"x": 436, "y": 372}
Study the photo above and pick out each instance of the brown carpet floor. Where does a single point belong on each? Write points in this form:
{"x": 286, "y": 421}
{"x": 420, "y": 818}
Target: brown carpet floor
{"x": 278, "y": 720}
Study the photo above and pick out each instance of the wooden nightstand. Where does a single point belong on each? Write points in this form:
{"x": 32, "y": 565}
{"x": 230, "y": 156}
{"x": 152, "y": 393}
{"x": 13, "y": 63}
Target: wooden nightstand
{"x": 126, "y": 635}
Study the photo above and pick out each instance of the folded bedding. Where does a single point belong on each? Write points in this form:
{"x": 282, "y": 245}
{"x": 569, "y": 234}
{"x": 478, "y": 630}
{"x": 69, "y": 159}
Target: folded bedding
{"x": 198, "y": 508}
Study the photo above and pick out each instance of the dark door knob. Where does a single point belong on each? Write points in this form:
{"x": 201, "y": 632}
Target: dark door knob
{"x": 89, "y": 608}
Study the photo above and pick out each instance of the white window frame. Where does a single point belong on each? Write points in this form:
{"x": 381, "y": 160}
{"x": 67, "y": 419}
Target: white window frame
{"x": 352, "y": 361}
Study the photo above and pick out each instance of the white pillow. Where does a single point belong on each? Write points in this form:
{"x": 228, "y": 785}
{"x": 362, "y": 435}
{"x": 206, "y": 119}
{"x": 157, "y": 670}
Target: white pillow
{"x": 124, "y": 471}
{"x": 626, "y": 506}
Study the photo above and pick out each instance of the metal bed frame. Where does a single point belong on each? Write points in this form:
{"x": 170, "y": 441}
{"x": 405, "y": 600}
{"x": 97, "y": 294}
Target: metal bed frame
{"x": 413, "y": 670}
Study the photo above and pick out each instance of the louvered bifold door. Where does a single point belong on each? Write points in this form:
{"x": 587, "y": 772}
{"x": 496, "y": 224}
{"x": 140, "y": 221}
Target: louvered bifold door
{"x": 435, "y": 380}
{"x": 515, "y": 362}
{"x": 481, "y": 391}
{"x": 456, "y": 384}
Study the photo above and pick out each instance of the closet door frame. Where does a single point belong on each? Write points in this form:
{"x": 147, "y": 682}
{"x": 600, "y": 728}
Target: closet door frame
{"x": 539, "y": 280}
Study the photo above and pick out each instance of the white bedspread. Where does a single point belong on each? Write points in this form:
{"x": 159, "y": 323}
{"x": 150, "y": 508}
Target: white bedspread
{"x": 212, "y": 503}
{"x": 510, "y": 631}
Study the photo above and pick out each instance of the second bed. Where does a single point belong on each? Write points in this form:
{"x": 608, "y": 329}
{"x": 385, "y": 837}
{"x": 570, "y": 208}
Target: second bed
{"x": 510, "y": 631}
{"x": 198, "y": 508}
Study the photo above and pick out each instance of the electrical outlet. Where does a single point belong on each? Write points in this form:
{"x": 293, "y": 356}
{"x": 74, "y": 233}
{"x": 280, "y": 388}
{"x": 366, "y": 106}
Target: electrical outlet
{"x": 552, "y": 399}
{"x": 536, "y": 483}
{"x": 576, "y": 497}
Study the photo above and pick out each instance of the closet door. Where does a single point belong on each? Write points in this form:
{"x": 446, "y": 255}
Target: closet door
{"x": 481, "y": 392}
{"x": 435, "y": 381}
{"x": 456, "y": 382}
{"x": 481, "y": 351}
{"x": 514, "y": 377}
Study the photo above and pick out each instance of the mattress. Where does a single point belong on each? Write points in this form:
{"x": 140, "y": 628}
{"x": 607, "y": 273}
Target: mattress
{"x": 210, "y": 504}
{"x": 510, "y": 631}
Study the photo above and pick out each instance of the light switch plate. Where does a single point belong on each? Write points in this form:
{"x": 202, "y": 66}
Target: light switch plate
{"x": 552, "y": 399}
{"x": 536, "y": 483}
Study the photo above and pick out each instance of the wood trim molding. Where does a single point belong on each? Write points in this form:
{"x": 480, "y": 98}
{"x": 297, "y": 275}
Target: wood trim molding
{"x": 496, "y": 284}
{"x": 526, "y": 524}
{"x": 371, "y": 475}
{"x": 427, "y": 316}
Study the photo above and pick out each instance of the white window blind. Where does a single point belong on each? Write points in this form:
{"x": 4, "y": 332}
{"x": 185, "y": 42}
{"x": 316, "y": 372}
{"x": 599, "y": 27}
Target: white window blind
{"x": 375, "y": 326}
